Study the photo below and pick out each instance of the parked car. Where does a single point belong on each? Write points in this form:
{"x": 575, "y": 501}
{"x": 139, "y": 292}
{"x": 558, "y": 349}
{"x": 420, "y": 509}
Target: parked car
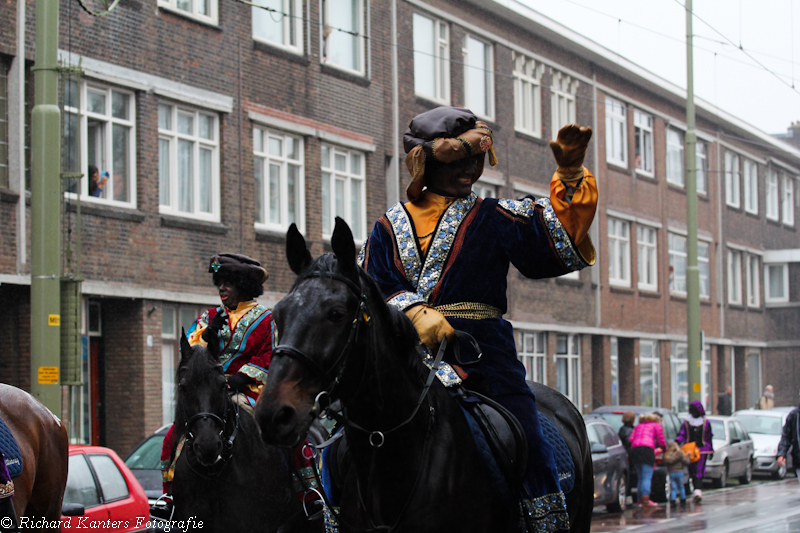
{"x": 765, "y": 429}
{"x": 609, "y": 462}
{"x": 145, "y": 463}
{"x": 102, "y": 494}
{"x": 733, "y": 452}
{"x": 660, "y": 488}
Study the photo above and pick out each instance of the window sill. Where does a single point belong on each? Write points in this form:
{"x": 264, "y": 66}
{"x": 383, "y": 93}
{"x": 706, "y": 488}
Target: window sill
{"x": 277, "y": 51}
{"x": 734, "y": 207}
{"x": 528, "y": 137}
{"x": 429, "y": 102}
{"x": 649, "y": 293}
{"x": 620, "y": 289}
{"x": 8, "y": 196}
{"x": 336, "y": 72}
{"x": 171, "y": 221}
{"x": 706, "y": 301}
{"x": 647, "y": 176}
{"x": 619, "y": 167}
{"x": 188, "y": 16}
{"x": 569, "y": 282}
{"x": 751, "y": 214}
{"x": 755, "y": 309}
{"x": 273, "y": 237}
{"x": 106, "y": 211}
{"x": 781, "y": 305}
{"x": 740, "y": 307}
{"x": 677, "y": 297}
{"x": 703, "y": 196}
{"x": 677, "y": 188}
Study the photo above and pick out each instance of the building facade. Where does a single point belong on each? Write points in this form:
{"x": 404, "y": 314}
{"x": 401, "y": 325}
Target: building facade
{"x": 221, "y": 123}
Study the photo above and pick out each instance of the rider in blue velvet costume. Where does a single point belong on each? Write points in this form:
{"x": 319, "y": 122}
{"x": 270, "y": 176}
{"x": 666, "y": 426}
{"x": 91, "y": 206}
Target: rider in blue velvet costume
{"x": 443, "y": 259}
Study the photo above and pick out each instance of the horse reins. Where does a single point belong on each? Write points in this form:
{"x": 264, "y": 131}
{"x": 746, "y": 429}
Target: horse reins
{"x": 223, "y": 424}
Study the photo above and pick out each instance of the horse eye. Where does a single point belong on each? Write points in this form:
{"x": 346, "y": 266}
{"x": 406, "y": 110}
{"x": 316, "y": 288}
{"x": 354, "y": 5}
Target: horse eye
{"x": 335, "y": 315}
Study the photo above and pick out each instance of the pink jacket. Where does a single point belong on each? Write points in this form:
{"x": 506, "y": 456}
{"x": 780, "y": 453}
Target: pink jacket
{"x": 648, "y": 433}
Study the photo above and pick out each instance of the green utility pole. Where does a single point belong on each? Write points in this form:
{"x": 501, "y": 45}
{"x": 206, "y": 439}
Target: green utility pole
{"x": 45, "y": 213}
{"x": 692, "y": 271}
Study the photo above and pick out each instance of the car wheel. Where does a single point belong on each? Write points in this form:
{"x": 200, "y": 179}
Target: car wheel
{"x": 721, "y": 481}
{"x": 622, "y": 496}
{"x": 659, "y": 490}
{"x": 780, "y": 473}
{"x": 748, "y": 473}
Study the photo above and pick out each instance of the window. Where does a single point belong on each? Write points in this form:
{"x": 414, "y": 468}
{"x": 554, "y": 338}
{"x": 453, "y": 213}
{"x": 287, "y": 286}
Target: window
{"x": 173, "y": 318}
{"x": 104, "y": 117}
{"x": 702, "y": 266}
{"x": 677, "y": 263}
{"x": 614, "y": 360}
{"x": 203, "y": 10}
{"x": 527, "y": 95}
{"x": 532, "y": 346}
{"x": 478, "y": 77}
{"x": 647, "y": 257}
{"x": 649, "y": 374}
{"x": 679, "y": 376}
{"x": 773, "y": 209}
{"x": 753, "y": 285}
{"x": 562, "y": 102}
{"x": 279, "y": 22}
{"x": 616, "y": 133}
{"x": 750, "y": 179}
{"x": 188, "y": 162}
{"x": 787, "y": 206}
{"x": 702, "y": 170}
{"x": 732, "y": 179}
{"x": 675, "y": 157}
{"x": 485, "y": 190}
{"x": 568, "y": 367}
{"x": 343, "y": 34}
{"x": 734, "y": 277}
{"x": 776, "y": 283}
{"x": 643, "y": 129}
{"x": 278, "y": 174}
{"x": 343, "y": 190}
{"x": 112, "y": 483}
{"x": 619, "y": 252}
{"x": 431, "y": 59}
{"x": 81, "y": 487}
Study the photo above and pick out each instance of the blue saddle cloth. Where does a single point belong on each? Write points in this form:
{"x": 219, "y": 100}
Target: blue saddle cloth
{"x": 564, "y": 463}
{"x": 10, "y": 451}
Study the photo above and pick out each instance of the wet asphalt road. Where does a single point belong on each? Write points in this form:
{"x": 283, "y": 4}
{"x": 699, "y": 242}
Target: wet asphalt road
{"x": 761, "y": 507}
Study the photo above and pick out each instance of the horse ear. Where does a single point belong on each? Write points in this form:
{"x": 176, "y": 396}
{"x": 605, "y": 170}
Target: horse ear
{"x": 343, "y": 245}
{"x": 296, "y": 252}
{"x": 186, "y": 348}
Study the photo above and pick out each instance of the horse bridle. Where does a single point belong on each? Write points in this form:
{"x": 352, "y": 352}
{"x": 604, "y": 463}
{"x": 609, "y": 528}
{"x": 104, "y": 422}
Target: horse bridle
{"x": 223, "y": 424}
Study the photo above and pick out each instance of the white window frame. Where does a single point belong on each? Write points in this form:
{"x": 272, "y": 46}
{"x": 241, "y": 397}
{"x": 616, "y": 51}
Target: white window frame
{"x": 289, "y": 17}
{"x": 472, "y": 72}
{"x": 347, "y": 177}
{"x": 677, "y": 285}
{"x": 773, "y": 199}
{"x": 776, "y": 269}
{"x": 650, "y": 357}
{"x": 703, "y": 265}
{"x": 734, "y": 277}
{"x": 527, "y": 95}
{"x": 616, "y": 132}
{"x": 702, "y": 168}
{"x": 675, "y": 158}
{"x": 753, "y": 277}
{"x": 209, "y": 18}
{"x": 327, "y": 31}
{"x": 619, "y": 252}
{"x": 643, "y": 135}
{"x": 732, "y": 194}
{"x": 647, "y": 257}
{"x": 533, "y": 354}
{"x": 441, "y": 59}
{"x": 679, "y": 361}
{"x": 171, "y": 135}
{"x": 572, "y": 358}
{"x": 750, "y": 174}
{"x": 84, "y": 115}
{"x": 563, "y": 103}
{"x": 263, "y": 158}
{"x": 787, "y": 200}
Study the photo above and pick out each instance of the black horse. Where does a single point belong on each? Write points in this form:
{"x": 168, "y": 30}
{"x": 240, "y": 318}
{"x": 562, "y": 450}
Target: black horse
{"x": 226, "y": 476}
{"x": 414, "y": 465}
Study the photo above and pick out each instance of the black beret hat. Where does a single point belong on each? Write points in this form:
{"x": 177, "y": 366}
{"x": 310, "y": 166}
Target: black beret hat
{"x": 238, "y": 264}
{"x": 438, "y": 122}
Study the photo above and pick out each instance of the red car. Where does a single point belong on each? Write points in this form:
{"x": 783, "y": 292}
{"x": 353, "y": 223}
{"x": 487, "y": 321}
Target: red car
{"x": 102, "y": 494}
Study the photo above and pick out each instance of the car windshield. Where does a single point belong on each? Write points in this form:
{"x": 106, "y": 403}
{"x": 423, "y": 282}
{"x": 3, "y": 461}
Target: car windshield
{"x": 759, "y": 423}
{"x": 148, "y": 455}
{"x": 615, "y": 419}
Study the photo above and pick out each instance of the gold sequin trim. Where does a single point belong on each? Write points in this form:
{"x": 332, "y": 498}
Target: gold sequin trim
{"x": 469, "y": 310}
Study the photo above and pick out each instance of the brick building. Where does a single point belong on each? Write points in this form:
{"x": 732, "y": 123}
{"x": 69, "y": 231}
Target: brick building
{"x": 222, "y": 123}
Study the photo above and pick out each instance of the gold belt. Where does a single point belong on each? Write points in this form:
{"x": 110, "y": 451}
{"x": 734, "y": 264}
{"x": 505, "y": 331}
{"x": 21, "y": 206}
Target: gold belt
{"x": 470, "y": 310}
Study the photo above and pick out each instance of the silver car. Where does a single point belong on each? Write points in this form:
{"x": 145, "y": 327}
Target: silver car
{"x": 765, "y": 429}
{"x": 733, "y": 452}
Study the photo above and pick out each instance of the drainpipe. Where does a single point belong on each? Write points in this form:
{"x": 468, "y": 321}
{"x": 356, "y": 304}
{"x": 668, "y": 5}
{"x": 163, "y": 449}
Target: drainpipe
{"x": 393, "y": 174}
{"x": 594, "y": 231}
{"x": 16, "y": 126}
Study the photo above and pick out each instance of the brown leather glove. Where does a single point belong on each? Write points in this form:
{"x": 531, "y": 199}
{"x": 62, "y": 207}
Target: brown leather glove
{"x": 569, "y": 149}
{"x": 431, "y": 325}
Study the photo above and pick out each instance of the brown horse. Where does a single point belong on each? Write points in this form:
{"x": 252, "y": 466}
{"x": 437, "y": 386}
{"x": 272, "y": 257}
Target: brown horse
{"x": 44, "y": 445}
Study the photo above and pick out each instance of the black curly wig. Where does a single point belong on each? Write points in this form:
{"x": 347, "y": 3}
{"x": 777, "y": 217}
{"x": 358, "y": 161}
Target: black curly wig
{"x": 249, "y": 288}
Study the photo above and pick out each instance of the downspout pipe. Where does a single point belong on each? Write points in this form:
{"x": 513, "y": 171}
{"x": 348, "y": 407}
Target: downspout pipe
{"x": 393, "y": 177}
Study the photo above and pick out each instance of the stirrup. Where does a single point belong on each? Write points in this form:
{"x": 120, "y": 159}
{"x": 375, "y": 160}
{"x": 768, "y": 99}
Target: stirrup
{"x": 162, "y": 509}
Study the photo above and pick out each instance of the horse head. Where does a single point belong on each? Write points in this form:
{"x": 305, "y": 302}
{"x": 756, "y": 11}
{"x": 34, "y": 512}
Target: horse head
{"x": 320, "y": 324}
{"x": 203, "y": 405}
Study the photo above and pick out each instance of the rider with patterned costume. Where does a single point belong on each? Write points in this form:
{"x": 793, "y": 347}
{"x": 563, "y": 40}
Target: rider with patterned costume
{"x": 244, "y": 329}
{"x": 443, "y": 259}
